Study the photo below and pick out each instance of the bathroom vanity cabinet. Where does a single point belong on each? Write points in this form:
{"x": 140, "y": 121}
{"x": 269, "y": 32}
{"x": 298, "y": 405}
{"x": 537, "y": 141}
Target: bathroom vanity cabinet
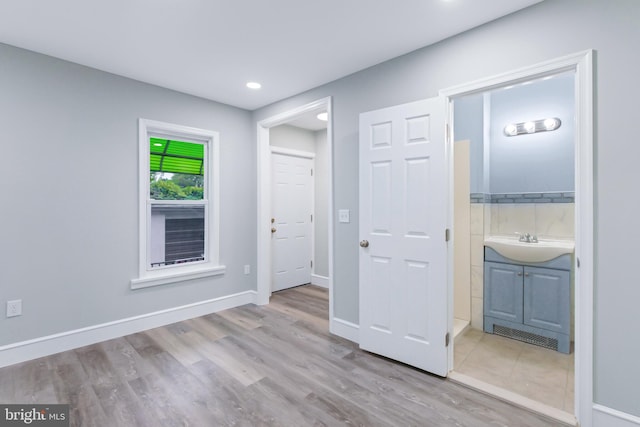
{"x": 529, "y": 302}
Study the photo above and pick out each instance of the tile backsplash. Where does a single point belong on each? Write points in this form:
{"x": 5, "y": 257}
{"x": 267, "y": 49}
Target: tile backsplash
{"x": 550, "y": 197}
{"x": 545, "y": 220}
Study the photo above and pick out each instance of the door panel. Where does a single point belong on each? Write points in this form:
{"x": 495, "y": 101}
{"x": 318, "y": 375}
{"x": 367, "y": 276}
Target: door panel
{"x": 380, "y": 296}
{"x": 503, "y": 293}
{"x": 292, "y": 206}
{"x": 403, "y": 282}
{"x": 547, "y": 297}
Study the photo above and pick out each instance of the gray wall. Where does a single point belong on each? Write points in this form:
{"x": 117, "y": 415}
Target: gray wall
{"x": 296, "y": 138}
{"x": 468, "y": 125}
{"x": 540, "y": 162}
{"x": 545, "y": 31}
{"x": 292, "y": 137}
{"x": 69, "y": 228}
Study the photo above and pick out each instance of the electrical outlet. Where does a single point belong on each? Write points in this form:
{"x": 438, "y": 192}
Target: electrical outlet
{"x": 247, "y": 269}
{"x": 14, "y": 308}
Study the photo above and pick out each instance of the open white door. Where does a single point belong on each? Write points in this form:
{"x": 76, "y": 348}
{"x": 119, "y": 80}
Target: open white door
{"x": 292, "y": 207}
{"x": 403, "y": 254}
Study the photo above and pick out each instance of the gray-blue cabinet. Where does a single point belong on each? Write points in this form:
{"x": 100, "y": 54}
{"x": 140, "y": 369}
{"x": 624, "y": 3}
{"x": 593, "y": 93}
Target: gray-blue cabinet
{"x": 503, "y": 293}
{"x": 528, "y": 302}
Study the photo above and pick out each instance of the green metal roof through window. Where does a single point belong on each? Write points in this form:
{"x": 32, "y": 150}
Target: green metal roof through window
{"x": 167, "y": 155}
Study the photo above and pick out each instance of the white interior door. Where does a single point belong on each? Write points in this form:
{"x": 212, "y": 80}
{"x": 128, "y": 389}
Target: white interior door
{"x": 292, "y": 207}
{"x": 403, "y": 254}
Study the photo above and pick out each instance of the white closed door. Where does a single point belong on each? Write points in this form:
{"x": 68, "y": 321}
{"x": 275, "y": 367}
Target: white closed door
{"x": 403, "y": 251}
{"x": 292, "y": 209}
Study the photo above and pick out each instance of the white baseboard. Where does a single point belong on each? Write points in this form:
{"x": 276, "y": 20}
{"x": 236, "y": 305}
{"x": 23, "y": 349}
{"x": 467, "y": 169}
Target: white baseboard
{"x": 345, "y": 329}
{"x": 321, "y": 281}
{"x": 51, "y": 344}
{"x": 607, "y": 417}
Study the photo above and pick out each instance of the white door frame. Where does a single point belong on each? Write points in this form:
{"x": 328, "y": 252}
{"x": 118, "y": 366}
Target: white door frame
{"x": 263, "y": 269}
{"x": 582, "y": 64}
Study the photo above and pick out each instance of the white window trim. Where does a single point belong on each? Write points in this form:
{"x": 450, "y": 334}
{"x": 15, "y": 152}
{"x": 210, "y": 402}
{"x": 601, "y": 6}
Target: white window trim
{"x": 211, "y": 266}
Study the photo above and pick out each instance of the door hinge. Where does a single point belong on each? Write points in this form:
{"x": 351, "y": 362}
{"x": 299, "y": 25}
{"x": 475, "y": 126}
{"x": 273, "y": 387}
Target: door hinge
{"x": 311, "y": 217}
{"x": 311, "y": 172}
{"x": 447, "y": 130}
{"x": 311, "y": 263}
{"x": 578, "y": 262}
{"x": 447, "y": 235}
{"x": 446, "y": 340}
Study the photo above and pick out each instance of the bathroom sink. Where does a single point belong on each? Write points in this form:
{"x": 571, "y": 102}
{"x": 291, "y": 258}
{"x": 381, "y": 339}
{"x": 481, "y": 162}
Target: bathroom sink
{"x": 544, "y": 250}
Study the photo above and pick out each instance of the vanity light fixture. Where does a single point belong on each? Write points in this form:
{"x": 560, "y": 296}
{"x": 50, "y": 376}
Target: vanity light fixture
{"x": 543, "y": 125}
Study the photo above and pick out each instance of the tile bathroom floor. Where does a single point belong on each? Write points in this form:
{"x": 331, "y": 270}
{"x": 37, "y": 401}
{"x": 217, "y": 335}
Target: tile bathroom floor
{"x": 538, "y": 373}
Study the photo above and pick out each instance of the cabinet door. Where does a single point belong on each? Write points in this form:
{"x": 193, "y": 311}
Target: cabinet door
{"x": 503, "y": 291}
{"x": 547, "y": 299}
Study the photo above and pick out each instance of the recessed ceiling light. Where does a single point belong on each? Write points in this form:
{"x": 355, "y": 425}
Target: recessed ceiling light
{"x": 323, "y": 116}
{"x": 254, "y": 85}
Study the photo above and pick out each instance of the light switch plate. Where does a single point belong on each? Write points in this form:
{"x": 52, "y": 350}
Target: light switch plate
{"x": 14, "y": 308}
{"x": 343, "y": 215}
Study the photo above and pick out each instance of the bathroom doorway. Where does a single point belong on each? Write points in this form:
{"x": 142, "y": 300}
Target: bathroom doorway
{"x": 518, "y": 155}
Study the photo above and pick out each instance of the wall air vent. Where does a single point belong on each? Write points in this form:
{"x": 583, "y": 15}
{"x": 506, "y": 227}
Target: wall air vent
{"x": 527, "y": 337}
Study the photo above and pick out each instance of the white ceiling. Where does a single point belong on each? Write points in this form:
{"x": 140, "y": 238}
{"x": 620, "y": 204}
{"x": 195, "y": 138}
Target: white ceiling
{"x": 211, "y": 48}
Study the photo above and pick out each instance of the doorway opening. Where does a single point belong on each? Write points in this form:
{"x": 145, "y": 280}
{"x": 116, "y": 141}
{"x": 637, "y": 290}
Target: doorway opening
{"x": 287, "y": 143}
{"x": 539, "y": 185}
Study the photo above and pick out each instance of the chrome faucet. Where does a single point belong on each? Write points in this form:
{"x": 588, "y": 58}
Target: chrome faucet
{"x": 527, "y": 238}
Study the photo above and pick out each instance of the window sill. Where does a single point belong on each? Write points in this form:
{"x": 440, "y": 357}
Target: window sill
{"x": 170, "y": 277}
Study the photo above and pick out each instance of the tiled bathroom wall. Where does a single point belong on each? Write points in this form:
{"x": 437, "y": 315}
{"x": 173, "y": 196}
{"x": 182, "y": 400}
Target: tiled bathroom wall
{"x": 545, "y": 220}
{"x": 550, "y": 220}
{"x": 477, "y": 263}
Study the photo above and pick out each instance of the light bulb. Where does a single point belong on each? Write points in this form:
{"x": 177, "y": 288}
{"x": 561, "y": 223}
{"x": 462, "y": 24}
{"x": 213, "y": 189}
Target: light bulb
{"x": 550, "y": 124}
{"x": 323, "y": 116}
{"x": 511, "y": 130}
{"x": 254, "y": 85}
{"x": 530, "y": 127}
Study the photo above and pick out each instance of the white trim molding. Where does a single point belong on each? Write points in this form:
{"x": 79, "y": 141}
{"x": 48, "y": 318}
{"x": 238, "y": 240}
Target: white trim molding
{"x": 292, "y": 152}
{"x": 264, "y": 149}
{"x": 181, "y": 276}
{"x": 345, "y": 329}
{"x": 581, "y": 64}
{"x": 51, "y": 344}
{"x": 607, "y": 417}
{"x": 321, "y": 281}
{"x": 148, "y": 276}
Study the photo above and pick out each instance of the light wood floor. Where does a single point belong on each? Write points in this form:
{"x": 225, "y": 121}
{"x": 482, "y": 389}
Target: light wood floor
{"x": 272, "y": 365}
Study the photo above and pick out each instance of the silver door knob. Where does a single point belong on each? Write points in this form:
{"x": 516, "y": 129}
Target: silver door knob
{"x": 364, "y": 244}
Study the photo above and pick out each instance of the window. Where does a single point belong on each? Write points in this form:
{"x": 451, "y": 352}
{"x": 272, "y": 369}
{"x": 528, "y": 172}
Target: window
{"x": 178, "y": 204}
